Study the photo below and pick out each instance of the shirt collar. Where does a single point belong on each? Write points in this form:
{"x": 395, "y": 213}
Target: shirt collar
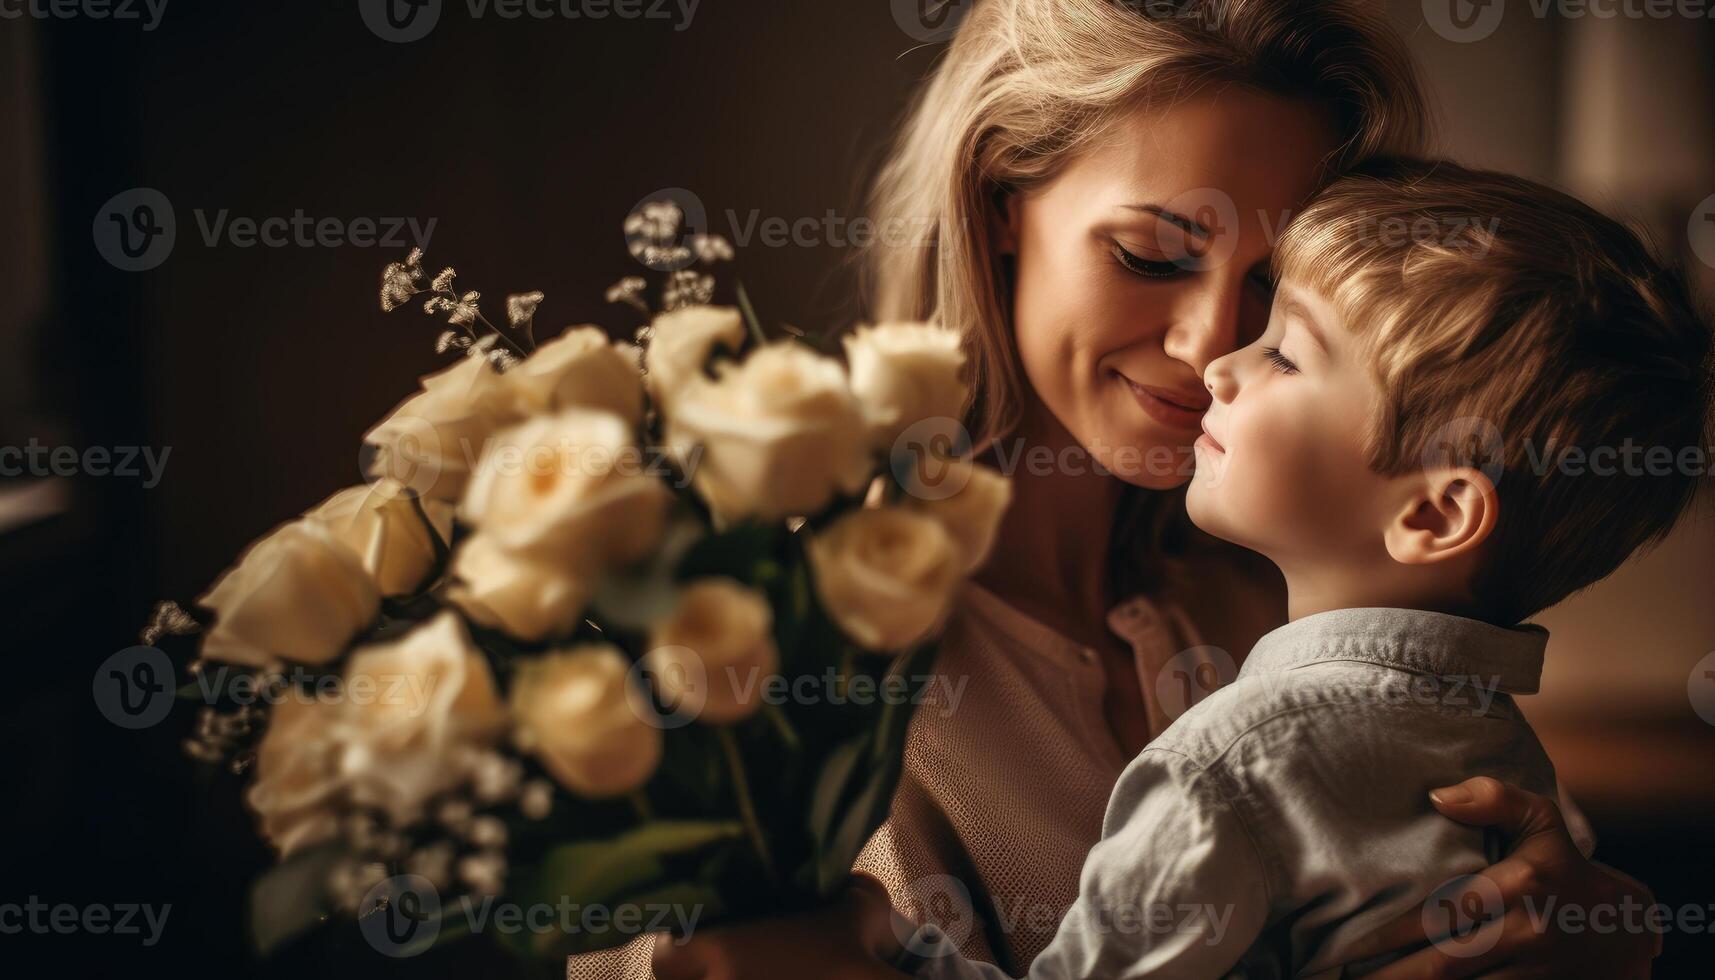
{"x": 1408, "y": 639}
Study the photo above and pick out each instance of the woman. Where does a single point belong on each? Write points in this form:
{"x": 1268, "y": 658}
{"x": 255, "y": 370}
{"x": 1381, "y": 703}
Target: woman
{"x": 1106, "y": 181}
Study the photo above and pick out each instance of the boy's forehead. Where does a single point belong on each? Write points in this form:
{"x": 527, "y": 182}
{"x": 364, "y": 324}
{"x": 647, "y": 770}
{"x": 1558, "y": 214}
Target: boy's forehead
{"x": 1310, "y": 308}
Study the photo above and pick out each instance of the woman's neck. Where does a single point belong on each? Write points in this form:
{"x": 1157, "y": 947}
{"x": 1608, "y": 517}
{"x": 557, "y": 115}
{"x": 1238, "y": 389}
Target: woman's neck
{"x": 1051, "y": 554}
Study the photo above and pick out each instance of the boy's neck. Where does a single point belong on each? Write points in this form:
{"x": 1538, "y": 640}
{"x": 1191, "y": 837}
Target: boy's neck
{"x": 1321, "y": 590}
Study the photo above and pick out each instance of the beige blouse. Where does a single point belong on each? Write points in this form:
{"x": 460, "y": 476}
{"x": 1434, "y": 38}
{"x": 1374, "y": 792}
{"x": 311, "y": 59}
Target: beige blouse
{"x": 1003, "y": 793}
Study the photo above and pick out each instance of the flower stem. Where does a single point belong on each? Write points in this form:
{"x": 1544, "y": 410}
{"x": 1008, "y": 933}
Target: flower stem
{"x": 640, "y": 803}
{"x": 783, "y": 725}
{"x": 746, "y": 808}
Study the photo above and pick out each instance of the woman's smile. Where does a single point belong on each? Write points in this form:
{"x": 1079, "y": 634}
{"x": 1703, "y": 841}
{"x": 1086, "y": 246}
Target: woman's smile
{"x": 1179, "y": 408}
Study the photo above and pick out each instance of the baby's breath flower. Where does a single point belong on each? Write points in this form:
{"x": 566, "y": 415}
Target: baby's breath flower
{"x": 398, "y": 284}
{"x": 464, "y": 312}
{"x": 521, "y": 307}
{"x": 443, "y": 282}
{"x": 711, "y": 248}
{"x": 688, "y": 288}
{"x": 630, "y": 292}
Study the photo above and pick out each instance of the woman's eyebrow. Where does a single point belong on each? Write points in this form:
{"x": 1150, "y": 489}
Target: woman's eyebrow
{"x": 1188, "y": 224}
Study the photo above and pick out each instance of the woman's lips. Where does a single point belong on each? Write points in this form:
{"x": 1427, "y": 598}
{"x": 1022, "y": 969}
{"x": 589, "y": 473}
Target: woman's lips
{"x": 1180, "y": 409}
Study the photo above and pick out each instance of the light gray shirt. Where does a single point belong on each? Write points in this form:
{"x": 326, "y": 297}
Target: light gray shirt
{"x": 1287, "y": 815}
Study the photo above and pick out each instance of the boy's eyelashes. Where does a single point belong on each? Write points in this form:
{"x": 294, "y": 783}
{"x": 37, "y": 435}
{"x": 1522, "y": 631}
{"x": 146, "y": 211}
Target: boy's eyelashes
{"x": 1281, "y": 362}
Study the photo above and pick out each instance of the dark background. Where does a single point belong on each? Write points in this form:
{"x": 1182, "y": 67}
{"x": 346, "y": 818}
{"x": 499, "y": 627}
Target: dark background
{"x": 527, "y": 142}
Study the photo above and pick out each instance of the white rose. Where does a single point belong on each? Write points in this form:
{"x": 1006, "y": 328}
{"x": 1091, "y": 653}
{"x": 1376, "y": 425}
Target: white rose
{"x": 569, "y": 489}
{"x": 416, "y": 714}
{"x": 580, "y": 713}
{"x": 297, "y": 595}
{"x": 886, "y": 576}
{"x": 381, "y": 524}
{"x": 294, "y": 784}
{"x": 579, "y": 369}
{"x": 430, "y": 442}
{"x": 903, "y": 373}
{"x": 525, "y": 599}
{"x": 969, "y": 501}
{"x": 680, "y": 343}
{"x": 712, "y": 654}
{"x": 779, "y": 435}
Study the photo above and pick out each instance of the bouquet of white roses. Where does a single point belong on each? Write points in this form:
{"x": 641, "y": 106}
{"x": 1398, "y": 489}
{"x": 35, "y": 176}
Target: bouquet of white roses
{"x": 613, "y": 626}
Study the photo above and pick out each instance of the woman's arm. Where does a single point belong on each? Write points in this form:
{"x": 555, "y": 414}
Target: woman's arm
{"x": 1542, "y": 866}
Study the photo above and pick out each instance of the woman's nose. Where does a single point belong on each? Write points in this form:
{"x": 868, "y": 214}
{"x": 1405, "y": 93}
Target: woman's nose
{"x": 1207, "y": 327}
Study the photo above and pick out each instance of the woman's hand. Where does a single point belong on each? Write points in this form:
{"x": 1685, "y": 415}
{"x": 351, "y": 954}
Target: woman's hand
{"x": 853, "y": 939}
{"x": 1542, "y": 866}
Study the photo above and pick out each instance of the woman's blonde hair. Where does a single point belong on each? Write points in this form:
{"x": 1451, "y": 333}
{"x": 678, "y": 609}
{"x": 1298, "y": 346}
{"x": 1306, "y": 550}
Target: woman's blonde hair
{"x": 1029, "y": 83}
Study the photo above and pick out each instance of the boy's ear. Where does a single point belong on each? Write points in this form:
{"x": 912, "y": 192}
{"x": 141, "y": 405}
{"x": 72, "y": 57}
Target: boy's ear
{"x": 1003, "y": 221}
{"x": 1450, "y": 513}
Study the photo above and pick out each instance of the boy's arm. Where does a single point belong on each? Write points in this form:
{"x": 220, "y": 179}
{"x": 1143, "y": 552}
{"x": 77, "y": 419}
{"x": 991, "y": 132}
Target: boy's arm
{"x": 1175, "y": 888}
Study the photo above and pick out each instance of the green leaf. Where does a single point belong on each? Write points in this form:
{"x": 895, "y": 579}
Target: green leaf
{"x": 609, "y": 872}
{"x": 738, "y": 552}
{"x": 290, "y": 898}
{"x": 636, "y": 598}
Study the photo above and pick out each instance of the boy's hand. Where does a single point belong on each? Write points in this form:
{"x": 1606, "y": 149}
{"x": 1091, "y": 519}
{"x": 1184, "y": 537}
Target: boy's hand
{"x": 853, "y": 939}
{"x": 1544, "y": 866}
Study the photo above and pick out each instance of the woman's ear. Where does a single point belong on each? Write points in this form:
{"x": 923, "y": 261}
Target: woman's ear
{"x": 1451, "y": 513}
{"x": 1003, "y": 221}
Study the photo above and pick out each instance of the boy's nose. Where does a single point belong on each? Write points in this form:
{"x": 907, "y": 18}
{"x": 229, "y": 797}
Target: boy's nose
{"x": 1219, "y": 379}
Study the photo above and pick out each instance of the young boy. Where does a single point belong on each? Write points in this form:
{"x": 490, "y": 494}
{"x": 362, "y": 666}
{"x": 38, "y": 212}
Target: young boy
{"x": 1393, "y": 443}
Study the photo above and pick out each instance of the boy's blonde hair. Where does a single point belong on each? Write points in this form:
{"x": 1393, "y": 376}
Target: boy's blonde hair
{"x": 1508, "y": 325}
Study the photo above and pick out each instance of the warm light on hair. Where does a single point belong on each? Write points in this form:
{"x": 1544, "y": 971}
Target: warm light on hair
{"x": 1028, "y": 84}
{"x": 1481, "y": 296}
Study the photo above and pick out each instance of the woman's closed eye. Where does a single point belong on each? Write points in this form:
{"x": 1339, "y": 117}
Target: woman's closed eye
{"x": 1152, "y": 268}
{"x": 1281, "y": 362}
